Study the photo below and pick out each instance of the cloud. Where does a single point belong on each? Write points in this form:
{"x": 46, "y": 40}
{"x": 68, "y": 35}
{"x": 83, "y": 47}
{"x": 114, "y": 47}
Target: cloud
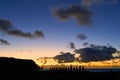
{"x": 24, "y": 51}
{"x": 64, "y": 57}
{"x": 109, "y": 45}
{"x": 39, "y": 34}
{"x": 7, "y": 27}
{"x": 96, "y": 53}
{"x": 72, "y": 46}
{"x": 81, "y": 36}
{"x": 80, "y": 14}
{"x": 89, "y": 3}
{"x": 85, "y": 44}
{"x": 4, "y": 42}
{"x": 20, "y": 33}
{"x": 91, "y": 53}
{"x": 116, "y": 55}
{"x": 77, "y": 57}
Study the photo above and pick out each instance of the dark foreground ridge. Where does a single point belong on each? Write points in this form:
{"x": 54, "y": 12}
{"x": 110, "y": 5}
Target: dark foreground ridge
{"x": 19, "y": 69}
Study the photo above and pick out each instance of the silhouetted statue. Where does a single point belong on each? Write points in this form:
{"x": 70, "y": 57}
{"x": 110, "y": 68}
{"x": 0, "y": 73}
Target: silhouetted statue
{"x": 82, "y": 69}
{"x": 68, "y": 68}
{"x": 71, "y": 67}
{"x": 79, "y": 68}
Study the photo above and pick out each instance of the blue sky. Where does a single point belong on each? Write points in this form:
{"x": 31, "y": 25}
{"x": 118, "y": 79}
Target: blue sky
{"x": 30, "y": 15}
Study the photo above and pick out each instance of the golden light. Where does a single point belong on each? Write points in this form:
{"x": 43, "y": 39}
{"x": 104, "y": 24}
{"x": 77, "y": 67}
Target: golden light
{"x": 49, "y": 61}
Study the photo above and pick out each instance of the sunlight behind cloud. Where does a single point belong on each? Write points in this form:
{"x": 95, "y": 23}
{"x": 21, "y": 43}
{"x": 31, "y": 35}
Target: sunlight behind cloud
{"x": 49, "y": 61}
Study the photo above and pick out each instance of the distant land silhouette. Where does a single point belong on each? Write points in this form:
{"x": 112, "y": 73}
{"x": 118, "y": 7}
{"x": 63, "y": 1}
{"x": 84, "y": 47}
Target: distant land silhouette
{"x": 17, "y": 64}
{"x": 17, "y": 69}
{"x": 23, "y": 69}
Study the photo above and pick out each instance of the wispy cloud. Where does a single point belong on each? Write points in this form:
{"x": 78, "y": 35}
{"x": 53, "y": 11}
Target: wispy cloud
{"x": 72, "y": 46}
{"x": 89, "y": 3}
{"x": 81, "y": 36}
{"x": 8, "y": 28}
{"x": 4, "y": 42}
{"x": 85, "y": 44}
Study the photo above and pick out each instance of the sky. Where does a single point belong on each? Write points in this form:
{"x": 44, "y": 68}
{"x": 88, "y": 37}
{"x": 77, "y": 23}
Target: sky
{"x": 43, "y": 15}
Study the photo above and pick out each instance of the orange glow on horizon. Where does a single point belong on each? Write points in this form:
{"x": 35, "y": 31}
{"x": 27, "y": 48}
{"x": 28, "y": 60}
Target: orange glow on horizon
{"x": 115, "y": 63}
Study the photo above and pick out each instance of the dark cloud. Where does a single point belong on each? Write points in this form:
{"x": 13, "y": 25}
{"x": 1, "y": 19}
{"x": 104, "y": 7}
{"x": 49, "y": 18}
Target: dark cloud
{"x": 4, "y": 42}
{"x": 85, "y": 44}
{"x": 64, "y": 57}
{"x": 7, "y": 27}
{"x": 80, "y": 14}
{"x": 96, "y": 53}
{"x": 91, "y": 53}
{"x": 72, "y": 46}
{"x": 39, "y": 34}
{"x": 20, "y": 33}
{"x": 81, "y": 36}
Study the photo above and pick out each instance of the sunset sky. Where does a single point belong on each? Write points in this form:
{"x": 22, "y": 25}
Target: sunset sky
{"x": 31, "y": 15}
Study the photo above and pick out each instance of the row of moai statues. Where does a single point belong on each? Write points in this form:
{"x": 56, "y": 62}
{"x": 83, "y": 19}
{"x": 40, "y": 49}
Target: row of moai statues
{"x": 68, "y": 68}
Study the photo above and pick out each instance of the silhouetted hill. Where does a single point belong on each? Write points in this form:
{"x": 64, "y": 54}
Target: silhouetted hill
{"x": 22, "y": 69}
{"x": 13, "y": 64}
{"x": 17, "y": 69}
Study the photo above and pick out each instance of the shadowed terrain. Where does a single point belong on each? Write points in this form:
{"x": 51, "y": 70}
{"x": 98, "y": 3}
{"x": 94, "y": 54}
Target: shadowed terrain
{"x": 19, "y": 69}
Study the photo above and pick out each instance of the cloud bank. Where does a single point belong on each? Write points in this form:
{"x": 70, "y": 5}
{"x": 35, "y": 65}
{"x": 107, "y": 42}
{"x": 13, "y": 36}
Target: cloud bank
{"x": 96, "y": 53}
{"x": 91, "y": 53}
